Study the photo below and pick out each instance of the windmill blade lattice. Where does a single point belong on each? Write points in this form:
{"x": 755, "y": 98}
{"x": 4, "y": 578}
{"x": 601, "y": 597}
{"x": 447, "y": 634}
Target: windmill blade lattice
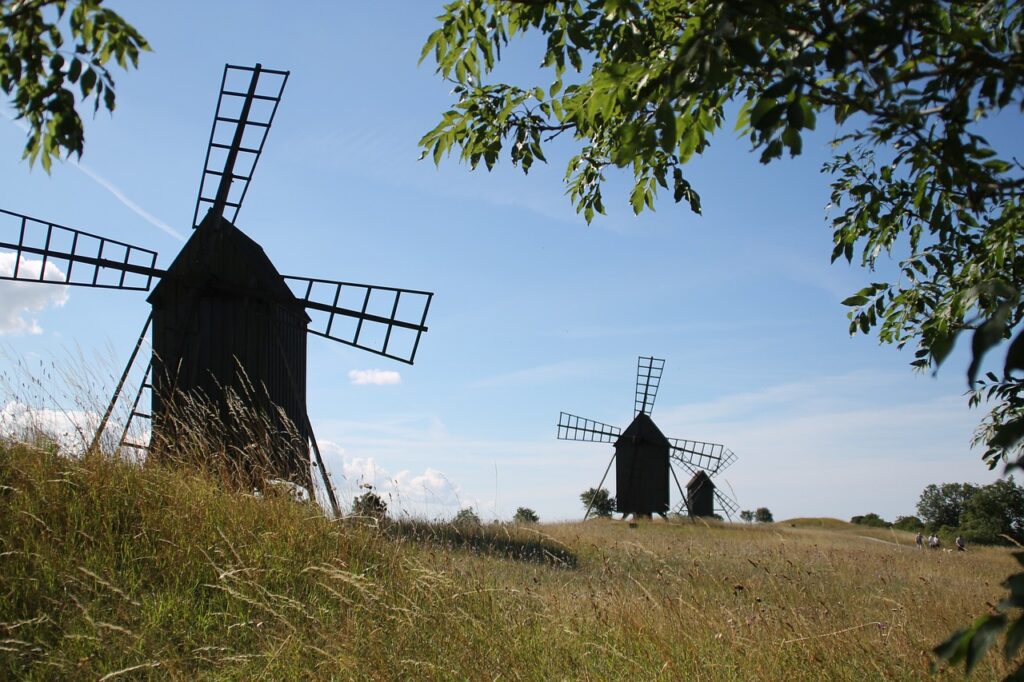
{"x": 648, "y": 378}
{"x": 382, "y": 320}
{"x": 725, "y": 504}
{"x": 71, "y": 257}
{"x": 571, "y": 427}
{"x": 697, "y": 455}
{"x": 245, "y": 111}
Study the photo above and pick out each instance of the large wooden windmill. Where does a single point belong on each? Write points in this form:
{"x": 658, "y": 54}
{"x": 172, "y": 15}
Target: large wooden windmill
{"x": 644, "y": 457}
{"x": 224, "y": 320}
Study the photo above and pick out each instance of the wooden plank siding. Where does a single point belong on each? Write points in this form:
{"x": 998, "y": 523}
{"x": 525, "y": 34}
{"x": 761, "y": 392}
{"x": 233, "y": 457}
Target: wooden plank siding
{"x": 642, "y": 469}
{"x": 221, "y": 314}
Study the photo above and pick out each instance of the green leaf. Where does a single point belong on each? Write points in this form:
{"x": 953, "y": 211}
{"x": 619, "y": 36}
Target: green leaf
{"x": 985, "y": 634}
{"x": 985, "y": 337}
{"x": 954, "y": 648}
{"x": 795, "y": 113}
{"x": 941, "y": 347}
{"x": 87, "y": 82}
{"x": 636, "y": 199}
{"x": 665, "y": 117}
{"x": 744, "y": 49}
{"x": 1015, "y": 355}
{"x": 1008, "y": 435}
{"x": 1014, "y": 638}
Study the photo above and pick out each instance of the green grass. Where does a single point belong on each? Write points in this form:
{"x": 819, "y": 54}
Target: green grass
{"x": 110, "y": 570}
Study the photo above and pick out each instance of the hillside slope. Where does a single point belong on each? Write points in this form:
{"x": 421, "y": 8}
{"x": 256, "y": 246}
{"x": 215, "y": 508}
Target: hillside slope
{"x": 116, "y": 571}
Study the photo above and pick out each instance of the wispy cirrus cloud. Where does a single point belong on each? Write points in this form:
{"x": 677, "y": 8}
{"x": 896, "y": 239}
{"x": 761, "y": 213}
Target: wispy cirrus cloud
{"x": 542, "y": 374}
{"x": 113, "y": 189}
{"x": 127, "y": 202}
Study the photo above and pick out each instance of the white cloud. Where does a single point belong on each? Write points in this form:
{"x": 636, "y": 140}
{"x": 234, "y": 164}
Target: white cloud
{"x": 429, "y": 494}
{"x": 19, "y": 298}
{"x": 375, "y": 377}
{"x": 71, "y": 429}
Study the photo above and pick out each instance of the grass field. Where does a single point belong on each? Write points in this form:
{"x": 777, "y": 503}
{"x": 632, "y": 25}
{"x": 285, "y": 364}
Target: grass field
{"x": 117, "y": 571}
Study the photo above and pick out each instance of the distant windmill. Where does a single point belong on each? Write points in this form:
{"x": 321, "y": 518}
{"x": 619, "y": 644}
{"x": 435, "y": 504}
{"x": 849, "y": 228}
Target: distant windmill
{"x": 223, "y": 318}
{"x": 644, "y": 457}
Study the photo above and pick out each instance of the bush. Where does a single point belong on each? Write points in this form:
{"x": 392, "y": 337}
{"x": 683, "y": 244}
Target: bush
{"x": 525, "y": 515}
{"x": 598, "y": 501}
{"x": 370, "y": 504}
{"x": 908, "y": 523}
{"x": 466, "y": 517}
{"x": 871, "y": 519}
{"x": 763, "y": 515}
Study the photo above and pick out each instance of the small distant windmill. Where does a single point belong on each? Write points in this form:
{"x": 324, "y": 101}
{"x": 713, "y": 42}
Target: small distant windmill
{"x": 644, "y": 457}
{"x": 223, "y": 317}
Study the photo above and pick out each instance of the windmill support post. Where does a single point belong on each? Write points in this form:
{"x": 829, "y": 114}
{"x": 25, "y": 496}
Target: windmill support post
{"x": 328, "y": 486}
{"x": 312, "y": 437}
{"x": 135, "y": 410}
{"x": 678, "y": 486}
{"x": 120, "y": 386}
{"x": 599, "y": 486}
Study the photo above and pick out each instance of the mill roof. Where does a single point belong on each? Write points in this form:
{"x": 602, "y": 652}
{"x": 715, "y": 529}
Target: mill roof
{"x": 643, "y": 427}
{"x": 221, "y": 258}
{"x": 699, "y": 478}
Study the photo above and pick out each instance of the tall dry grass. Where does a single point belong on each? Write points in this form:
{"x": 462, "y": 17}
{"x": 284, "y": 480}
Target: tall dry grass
{"x": 118, "y": 570}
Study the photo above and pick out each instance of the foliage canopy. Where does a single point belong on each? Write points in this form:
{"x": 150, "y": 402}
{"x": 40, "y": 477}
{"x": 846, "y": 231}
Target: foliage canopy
{"x": 525, "y": 515}
{"x": 466, "y": 517}
{"x": 370, "y": 505}
{"x": 943, "y": 504}
{"x": 598, "y": 501}
{"x": 55, "y": 54}
{"x": 643, "y": 85}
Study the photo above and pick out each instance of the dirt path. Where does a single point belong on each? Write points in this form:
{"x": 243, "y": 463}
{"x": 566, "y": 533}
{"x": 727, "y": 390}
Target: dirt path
{"x": 887, "y": 542}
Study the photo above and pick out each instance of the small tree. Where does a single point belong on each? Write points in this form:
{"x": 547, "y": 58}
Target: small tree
{"x": 909, "y": 523}
{"x": 943, "y": 504}
{"x": 466, "y": 517}
{"x": 525, "y": 515}
{"x": 370, "y": 504}
{"x": 995, "y": 514}
{"x": 747, "y": 515}
{"x": 871, "y": 519}
{"x": 763, "y": 515}
{"x": 598, "y": 501}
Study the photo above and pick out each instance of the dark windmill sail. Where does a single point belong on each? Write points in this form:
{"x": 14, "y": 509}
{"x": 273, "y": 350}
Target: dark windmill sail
{"x": 225, "y": 322}
{"x": 643, "y": 456}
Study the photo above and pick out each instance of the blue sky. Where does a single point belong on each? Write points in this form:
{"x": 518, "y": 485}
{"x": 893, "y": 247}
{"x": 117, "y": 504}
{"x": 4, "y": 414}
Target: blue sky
{"x": 535, "y": 312}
